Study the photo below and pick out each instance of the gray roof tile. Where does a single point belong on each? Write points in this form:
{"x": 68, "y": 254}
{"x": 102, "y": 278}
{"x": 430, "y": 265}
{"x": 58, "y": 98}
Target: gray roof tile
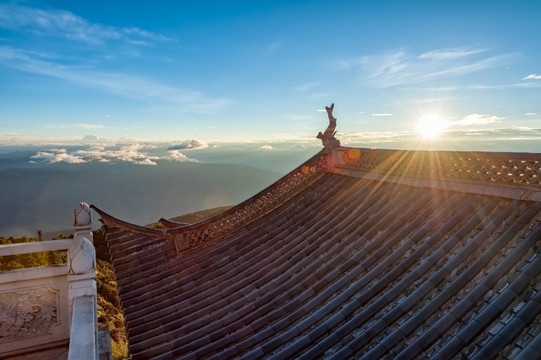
{"x": 351, "y": 263}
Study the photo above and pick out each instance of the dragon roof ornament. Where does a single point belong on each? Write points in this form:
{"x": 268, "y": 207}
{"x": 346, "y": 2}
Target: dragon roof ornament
{"x": 327, "y": 138}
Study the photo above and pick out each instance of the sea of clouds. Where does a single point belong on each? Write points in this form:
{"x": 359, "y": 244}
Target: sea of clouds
{"x": 139, "y": 154}
{"x": 278, "y": 156}
{"x": 281, "y": 156}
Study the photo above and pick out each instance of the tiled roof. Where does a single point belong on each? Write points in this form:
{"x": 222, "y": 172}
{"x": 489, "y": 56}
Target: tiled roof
{"x": 355, "y": 254}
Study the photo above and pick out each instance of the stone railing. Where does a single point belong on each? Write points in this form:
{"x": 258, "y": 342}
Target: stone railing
{"x": 34, "y": 307}
{"x": 47, "y": 307}
{"x": 502, "y": 168}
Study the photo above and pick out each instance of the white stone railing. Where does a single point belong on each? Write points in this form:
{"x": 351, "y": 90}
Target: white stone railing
{"x": 49, "y": 306}
{"x": 34, "y": 307}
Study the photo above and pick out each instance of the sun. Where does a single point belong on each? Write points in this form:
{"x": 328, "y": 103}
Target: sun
{"x": 431, "y": 126}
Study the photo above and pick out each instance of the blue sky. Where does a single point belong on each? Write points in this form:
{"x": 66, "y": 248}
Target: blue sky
{"x": 262, "y": 71}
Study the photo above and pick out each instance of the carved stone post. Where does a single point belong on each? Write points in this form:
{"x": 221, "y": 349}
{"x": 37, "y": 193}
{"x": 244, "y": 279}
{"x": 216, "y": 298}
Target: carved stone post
{"x": 82, "y": 257}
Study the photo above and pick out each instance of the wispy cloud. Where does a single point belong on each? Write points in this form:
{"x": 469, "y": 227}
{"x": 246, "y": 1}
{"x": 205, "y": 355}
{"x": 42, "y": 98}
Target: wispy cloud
{"x": 374, "y": 137}
{"x": 530, "y": 114}
{"x": 66, "y": 62}
{"x": 527, "y": 84}
{"x": 447, "y": 54}
{"x": 272, "y": 47}
{"x": 502, "y": 139}
{"x": 75, "y": 126}
{"x": 382, "y": 114}
{"x": 306, "y": 86}
{"x": 478, "y": 119}
{"x": 532, "y": 77}
{"x": 406, "y": 68}
{"x": 65, "y": 24}
{"x": 410, "y": 102}
{"x": 125, "y": 85}
{"x": 297, "y": 117}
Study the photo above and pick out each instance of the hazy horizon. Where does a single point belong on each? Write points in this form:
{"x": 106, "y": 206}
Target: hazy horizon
{"x": 279, "y": 155}
{"x": 135, "y": 180}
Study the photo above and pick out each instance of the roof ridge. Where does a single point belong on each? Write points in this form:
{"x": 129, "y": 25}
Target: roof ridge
{"x": 109, "y": 220}
{"x": 212, "y": 229}
{"x": 508, "y": 175}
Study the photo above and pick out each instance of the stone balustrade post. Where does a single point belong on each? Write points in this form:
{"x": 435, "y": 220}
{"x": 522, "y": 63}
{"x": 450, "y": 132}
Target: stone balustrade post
{"x": 82, "y": 288}
{"x": 82, "y": 256}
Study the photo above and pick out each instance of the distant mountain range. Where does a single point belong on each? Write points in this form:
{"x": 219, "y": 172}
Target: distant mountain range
{"x": 42, "y": 197}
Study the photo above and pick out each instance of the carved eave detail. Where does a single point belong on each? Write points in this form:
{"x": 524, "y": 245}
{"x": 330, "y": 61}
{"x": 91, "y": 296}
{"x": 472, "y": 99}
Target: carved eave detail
{"x": 212, "y": 230}
{"x": 113, "y": 222}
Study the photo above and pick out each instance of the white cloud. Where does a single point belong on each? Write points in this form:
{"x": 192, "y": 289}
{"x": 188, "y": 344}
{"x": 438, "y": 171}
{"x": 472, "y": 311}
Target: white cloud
{"x": 88, "y": 126}
{"x": 60, "y": 23}
{"x": 265, "y": 147}
{"x": 528, "y": 85}
{"x": 532, "y": 77}
{"x": 381, "y": 114}
{"x": 446, "y": 54}
{"x": 135, "y": 153}
{"x": 146, "y": 161}
{"x": 176, "y": 155}
{"x": 306, "y": 86}
{"x": 530, "y": 114}
{"x": 75, "y": 126}
{"x": 95, "y": 152}
{"x": 406, "y": 68}
{"x": 503, "y": 139}
{"x": 129, "y": 86}
{"x": 478, "y": 119}
{"x": 58, "y": 155}
{"x": 191, "y": 144}
{"x": 132, "y": 153}
{"x": 132, "y": 30}
{"x": 62, "y": 62}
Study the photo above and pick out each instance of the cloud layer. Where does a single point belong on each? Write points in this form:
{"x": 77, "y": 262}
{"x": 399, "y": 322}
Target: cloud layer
{"x": 139, "y": 154}
{"x": 519, "y": 139}
{"x": 478, "y": 119}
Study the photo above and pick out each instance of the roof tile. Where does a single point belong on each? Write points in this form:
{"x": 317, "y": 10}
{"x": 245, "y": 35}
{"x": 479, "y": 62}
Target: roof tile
{"x": 354, "y": 264}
